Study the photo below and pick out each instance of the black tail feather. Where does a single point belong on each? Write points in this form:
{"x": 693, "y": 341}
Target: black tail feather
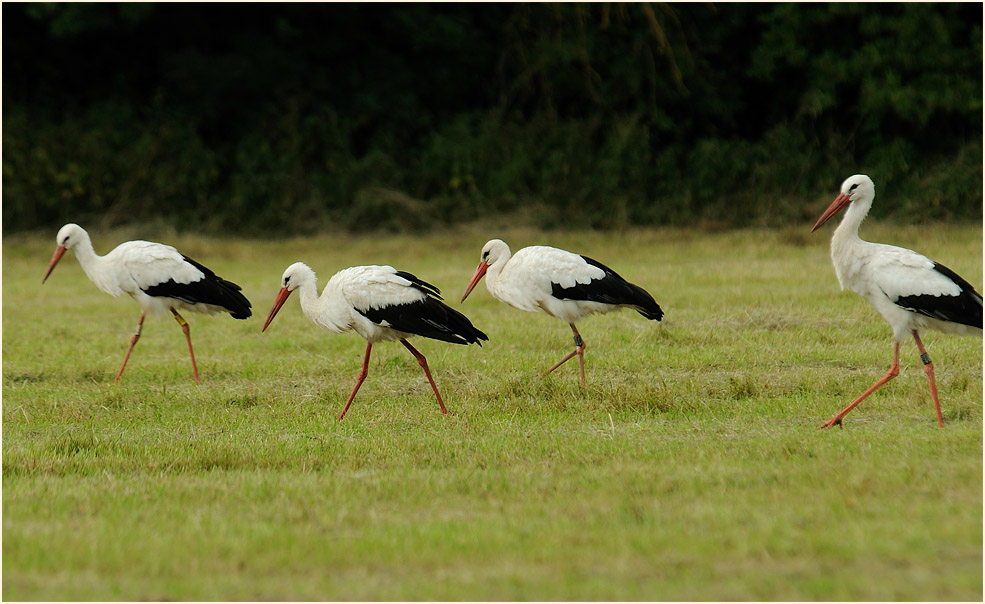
{"x": 611, "y": 289}
{"x": 211, "y": 289}
{"x": 428, "y": 317}
{"x": 964, "y": 308}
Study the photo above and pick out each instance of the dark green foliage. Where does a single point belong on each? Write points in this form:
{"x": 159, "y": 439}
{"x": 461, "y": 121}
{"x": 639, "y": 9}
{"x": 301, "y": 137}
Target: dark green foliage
{"x": 265, "y": 118}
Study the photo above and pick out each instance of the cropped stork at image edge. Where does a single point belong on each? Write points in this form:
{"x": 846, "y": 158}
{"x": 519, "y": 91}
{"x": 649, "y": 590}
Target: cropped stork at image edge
{"x": 157, "y": 276}
{"x": 564, "y": 285}
{"x": 379, "y": 303}
{"x": 911, "y": 291}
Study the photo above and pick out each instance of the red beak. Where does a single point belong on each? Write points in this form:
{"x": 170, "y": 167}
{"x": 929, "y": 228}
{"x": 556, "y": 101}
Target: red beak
{"x": 59, "y": 252}
{"x": 479, "y": 272}
{"x": 281, "y": 298}
{"x": 836, "y": 206}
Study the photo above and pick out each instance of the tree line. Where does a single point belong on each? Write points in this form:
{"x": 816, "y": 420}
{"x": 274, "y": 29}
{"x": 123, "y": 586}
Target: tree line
{"x": 267, "y": 118}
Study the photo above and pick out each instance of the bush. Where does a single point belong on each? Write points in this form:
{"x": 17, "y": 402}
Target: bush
{"x": 306, "y": 117}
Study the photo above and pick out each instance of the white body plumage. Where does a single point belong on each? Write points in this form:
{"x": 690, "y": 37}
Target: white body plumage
{"x": 911, "y": 291}
{"x": 349, "y": 291}
{"x": 158, "y": 277}
{"x": 379, "y": 303}
{"x": 524, "y": 280}
{"x": 134, "y": 267}
{"x": 564, "y": 285}
{"x": 885, "y": 274}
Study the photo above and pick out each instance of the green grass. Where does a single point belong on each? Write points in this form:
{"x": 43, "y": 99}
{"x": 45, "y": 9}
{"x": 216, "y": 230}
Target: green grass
{"x": 689, "y": 468}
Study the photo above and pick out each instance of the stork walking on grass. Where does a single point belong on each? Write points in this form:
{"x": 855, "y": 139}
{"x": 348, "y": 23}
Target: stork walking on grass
{"x": 157, "y": 276}
{"x": 562, "y": 284}
{"x": 379, "y": 303}
{"x": 911, "y": 291}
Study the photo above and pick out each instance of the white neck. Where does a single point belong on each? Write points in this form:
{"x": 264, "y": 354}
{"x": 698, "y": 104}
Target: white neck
{"x": 847, "y": 248}
{"x": 330, "y": 311}
{"x": 308, "y": 294}
{"x": 493, "y": 274}
{"x": 847, "y": 231}
{"x": 92, "y": 263}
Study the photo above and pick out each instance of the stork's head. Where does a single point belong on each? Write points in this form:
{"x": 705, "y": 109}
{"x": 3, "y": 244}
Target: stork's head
{"x": 857, "y": 188}
{"x": 70, "y": 235}
{"x": 295, "y": 275}
{"x": 67, "y": 238}
{"x": 494, "y": 251}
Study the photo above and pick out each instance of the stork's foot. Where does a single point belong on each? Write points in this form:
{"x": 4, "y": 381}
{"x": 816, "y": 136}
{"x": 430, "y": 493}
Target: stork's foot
{"x": 834, "y": 421}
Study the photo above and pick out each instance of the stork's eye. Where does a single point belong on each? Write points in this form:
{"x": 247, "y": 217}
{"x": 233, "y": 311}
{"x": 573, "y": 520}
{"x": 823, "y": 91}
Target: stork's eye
{"x": 853, "y": 187}
{"x": 485, "y": 255}
{"x": 64, "y": 242}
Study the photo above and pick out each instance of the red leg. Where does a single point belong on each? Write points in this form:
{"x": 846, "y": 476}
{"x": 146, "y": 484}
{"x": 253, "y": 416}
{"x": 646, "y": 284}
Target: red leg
{"x": 928, "y": 368}
{"x": 893, "y": 372}
{"x": 188, "y": 336}
{"x": 579, "y": 350}
{"x": 359, "y": 380}
{"x": 133, "y": 342}
{"x": 424, "y": 365}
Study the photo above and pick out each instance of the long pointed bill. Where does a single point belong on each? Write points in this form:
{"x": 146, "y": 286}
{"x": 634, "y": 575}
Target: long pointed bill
{"x": 281, "y": 298}
{"x": 836, "y": 206}
{"x": 479, "y": 272}
{"x": 59, "y": 252}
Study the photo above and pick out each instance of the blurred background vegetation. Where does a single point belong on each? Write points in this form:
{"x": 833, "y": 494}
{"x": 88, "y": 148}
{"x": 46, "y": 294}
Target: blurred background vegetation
{"x": 267, "y": 118}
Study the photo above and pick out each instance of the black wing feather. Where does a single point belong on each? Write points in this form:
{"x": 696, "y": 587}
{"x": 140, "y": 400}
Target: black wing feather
{"x": 428, "y": 317}
{"x": 965, "y": 308}
{"x": 210, "y": 289}
{"x": 610, "y": 289}
{"x": 421, "y": 284}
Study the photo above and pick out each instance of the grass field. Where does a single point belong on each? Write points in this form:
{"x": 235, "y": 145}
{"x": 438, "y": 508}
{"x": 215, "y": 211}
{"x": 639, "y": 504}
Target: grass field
{"x": 689, "y": 468}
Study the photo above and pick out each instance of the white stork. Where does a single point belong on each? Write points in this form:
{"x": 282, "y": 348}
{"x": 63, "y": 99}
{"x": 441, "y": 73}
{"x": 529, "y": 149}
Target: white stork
{"x": 157, "y": 276}
{"x": 562, "y": 284}
{"x": 379, "y": 303}
{"x": 911, "y": 291}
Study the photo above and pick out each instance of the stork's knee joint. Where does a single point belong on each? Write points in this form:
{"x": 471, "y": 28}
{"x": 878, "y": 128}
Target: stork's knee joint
{"x": 925, "y": 358}
{"x": 579, "y": 342}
